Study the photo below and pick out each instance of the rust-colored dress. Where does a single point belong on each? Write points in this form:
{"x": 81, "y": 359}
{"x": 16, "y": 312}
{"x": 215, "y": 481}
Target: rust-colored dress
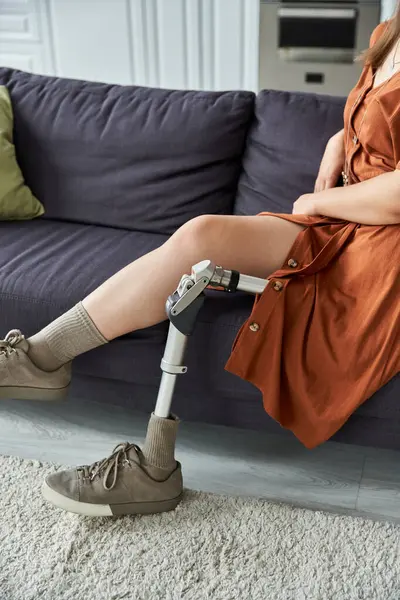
{"x": 328, "y": 324}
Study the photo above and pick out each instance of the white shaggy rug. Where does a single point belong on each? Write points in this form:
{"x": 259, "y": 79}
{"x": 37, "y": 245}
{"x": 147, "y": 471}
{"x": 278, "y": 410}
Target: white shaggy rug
{"x": 212, "y": 547}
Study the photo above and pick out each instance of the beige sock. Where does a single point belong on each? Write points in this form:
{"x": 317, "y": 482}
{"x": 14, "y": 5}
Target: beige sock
{"x": 68, "y": 336}
{"x": 159, "y": 446}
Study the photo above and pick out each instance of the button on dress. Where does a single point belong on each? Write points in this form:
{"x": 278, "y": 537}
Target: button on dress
{"x": 324, "y": 335}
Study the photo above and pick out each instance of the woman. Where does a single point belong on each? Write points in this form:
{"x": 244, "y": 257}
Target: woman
{"x": 330, "y": 314}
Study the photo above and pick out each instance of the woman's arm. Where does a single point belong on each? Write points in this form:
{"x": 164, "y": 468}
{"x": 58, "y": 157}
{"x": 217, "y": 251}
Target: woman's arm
{"x": 372, "y": 202}
{"x": 332, "y": 163}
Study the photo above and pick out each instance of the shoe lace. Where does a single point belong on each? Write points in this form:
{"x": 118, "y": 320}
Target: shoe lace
{"x": 13, "y": 337}
{"x": 118, "y": 457}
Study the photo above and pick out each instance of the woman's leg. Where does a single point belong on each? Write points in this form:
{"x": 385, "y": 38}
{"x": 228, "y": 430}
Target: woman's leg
{"x": 135, "y": 297}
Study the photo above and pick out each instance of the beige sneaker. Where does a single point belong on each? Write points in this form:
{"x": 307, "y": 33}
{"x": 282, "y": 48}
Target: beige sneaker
{"x": 21, "y": 379}
{"x": 117, "y": 485}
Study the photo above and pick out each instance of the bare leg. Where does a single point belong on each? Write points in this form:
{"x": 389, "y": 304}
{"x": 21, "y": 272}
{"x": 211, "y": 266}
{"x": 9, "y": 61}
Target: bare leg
{"x": 134, "y": 298}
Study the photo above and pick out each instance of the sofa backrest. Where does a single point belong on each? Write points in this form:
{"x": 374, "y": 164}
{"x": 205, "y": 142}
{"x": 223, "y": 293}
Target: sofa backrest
{"x": 131, "y": 157}
{"x": 284, "y": 148}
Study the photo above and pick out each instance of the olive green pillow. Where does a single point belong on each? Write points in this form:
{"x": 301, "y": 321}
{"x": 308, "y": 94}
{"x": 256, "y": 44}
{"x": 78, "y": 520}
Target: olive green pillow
{"x": 16, "y": 199}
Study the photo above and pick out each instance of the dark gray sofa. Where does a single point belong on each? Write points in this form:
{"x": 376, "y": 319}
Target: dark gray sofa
{"x": 119, "y": 169}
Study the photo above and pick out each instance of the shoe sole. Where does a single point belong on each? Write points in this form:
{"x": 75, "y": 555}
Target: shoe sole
{"x": 29, "y": 393}
{"x": 108, "y": 510}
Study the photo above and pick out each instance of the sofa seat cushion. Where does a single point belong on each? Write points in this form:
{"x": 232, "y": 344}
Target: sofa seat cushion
{"x": 59, "y": 263}
{"x": 138, "y": 158}
{"x": 284, "y": 148}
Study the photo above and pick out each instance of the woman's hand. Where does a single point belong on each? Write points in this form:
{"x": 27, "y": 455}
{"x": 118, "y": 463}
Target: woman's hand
{"x": 305, "y": 205}
{"x": 332, "y": 163}
{"x": 357, "y": 203}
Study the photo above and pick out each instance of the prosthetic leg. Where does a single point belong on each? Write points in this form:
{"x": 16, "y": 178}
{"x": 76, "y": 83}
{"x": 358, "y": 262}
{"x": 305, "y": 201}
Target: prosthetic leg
{"x": 182, "y": 309}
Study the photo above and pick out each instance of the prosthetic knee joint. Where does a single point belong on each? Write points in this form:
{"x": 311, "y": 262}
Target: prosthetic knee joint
{"x": 182, "y": 309}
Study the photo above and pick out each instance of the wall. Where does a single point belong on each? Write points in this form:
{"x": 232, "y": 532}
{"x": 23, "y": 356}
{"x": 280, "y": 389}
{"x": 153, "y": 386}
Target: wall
{"x": 210, "y": 44}
{"x": 25, "y": 36}
{"x": 387, "y": 9}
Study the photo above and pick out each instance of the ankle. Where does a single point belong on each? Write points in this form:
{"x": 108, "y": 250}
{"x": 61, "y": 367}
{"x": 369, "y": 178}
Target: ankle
{"x": 157, "y": 473}
{"x": 41, "y": 355}
{"x": 159, "y": 446}
{"x": 73, "y": 333}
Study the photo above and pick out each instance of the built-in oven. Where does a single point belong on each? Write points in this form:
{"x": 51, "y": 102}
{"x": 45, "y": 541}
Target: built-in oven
{"x": 312, "y": 46}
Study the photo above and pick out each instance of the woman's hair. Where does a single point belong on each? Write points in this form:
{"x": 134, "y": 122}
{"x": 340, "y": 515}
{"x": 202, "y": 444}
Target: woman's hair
{"x": 376, "y": 55}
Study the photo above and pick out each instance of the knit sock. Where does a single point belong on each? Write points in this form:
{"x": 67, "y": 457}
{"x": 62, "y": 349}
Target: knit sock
{"x": 71, "y": 334}
{"x": 159, "y": 446}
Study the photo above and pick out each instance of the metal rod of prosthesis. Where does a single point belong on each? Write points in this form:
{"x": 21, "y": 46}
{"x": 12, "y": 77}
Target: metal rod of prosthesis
{"x": 173, "y": 356}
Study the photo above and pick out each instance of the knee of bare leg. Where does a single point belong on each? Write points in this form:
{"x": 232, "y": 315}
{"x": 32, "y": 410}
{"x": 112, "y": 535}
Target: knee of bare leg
{"x": 197, "y": 236}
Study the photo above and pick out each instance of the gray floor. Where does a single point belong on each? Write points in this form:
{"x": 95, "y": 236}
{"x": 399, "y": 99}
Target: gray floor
{"x": 335, "y": 477}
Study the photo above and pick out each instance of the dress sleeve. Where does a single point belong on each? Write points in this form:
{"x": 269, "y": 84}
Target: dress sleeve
{"x": 377, "y": 32}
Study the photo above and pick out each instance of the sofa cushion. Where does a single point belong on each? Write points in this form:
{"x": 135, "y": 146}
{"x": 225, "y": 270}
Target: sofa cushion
{"x": 131, "y": 157}
{"x": 284, "y": 149}
{"x": 58, "y": 264}
{"x": 16, "y": 199}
